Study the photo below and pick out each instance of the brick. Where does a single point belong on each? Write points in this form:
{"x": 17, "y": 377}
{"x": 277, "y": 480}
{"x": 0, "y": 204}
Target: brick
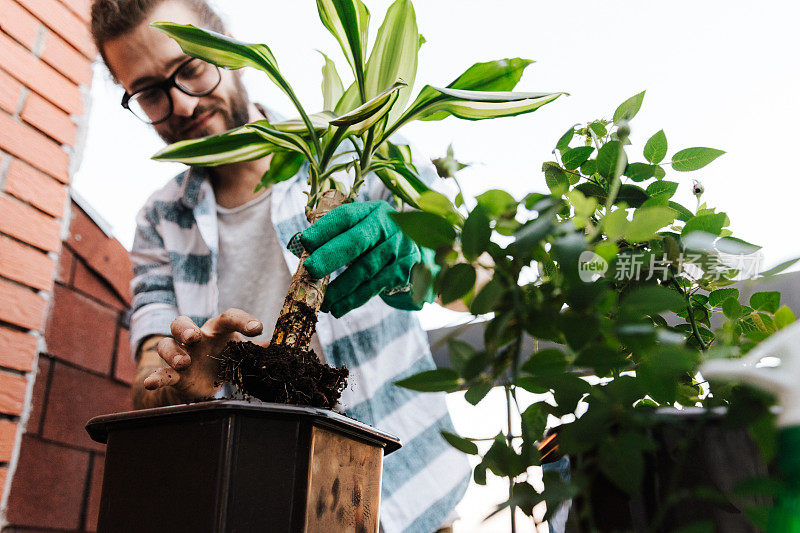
{"x": 8, "y": 435}
{"x": 35, "y": 148}
{"x": 75, "y": 396}
{"x": 21, "y": 306}
{"x": 17, "y": 349}
{"x": 64, "y": 58}
{"x": 92, "y": 284}
{"x": 36, "y": 188}
{"x": 80, "y": 330}
{"x": 66, "y": 266}
{"x": 95, "y": 491}
{"x": 124, "y": 369}
{"x": 39, "y": 396}
{"x": 27, "y": 224}
{"x": 25, "y": 264}
{"x": 3, "y": 475}
{"x": 12, "y": 393}
{"x": 48, "y": 486}
{"x": 39, "y": 76}
{"x": 82, "y": 8}
{"x": 18, "y": 23}
{"x": 10, "y": 91}
{"x": 64, "y": 22}
{"x": 102, "y": 253}
{"x": 49, "y": 119}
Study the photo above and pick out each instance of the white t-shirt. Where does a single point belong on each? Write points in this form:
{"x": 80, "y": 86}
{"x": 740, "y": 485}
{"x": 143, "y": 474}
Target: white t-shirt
{"x": 252, "y": 273}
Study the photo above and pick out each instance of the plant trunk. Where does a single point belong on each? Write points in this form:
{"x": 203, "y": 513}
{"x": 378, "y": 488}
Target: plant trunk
{"x": 298, "y": 317}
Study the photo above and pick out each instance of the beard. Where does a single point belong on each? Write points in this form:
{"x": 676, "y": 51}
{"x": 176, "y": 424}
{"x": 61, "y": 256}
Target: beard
{"x": 234, "y": 113}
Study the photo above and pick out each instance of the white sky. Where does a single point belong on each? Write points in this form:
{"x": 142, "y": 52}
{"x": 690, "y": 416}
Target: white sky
{"x": 722, "y": 74}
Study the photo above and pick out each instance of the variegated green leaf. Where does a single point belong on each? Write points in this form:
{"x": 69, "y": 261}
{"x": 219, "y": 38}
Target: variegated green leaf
{"x": 478, "y": 105}
{"x": 223, "y": 51}
{"x": 234, "y": 146}
{"x": 287, "y": 141}
{"x": 320, "y": 121}
{"x": 348, "y": 22}
{"x": 394, "y": 54}
{"x": 498, "y": 75}
{"x": 401, "y": 179}
{"x": 332, "y": 89}
{"x": 361, "y": 118}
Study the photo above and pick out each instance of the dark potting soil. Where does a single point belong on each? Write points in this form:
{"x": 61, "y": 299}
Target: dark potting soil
{"x": 282, "y": 375}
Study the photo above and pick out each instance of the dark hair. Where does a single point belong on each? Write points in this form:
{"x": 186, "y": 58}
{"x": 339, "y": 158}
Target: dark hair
{"x": 113, "y": 18}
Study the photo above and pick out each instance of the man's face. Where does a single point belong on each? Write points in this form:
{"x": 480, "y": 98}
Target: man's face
{"x": 146, "y": 56}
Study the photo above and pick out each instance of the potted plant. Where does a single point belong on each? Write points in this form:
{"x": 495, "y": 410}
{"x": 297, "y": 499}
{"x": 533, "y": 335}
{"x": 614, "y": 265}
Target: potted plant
{"x": 353, "y": 136}
{"x": 624, "y": 287}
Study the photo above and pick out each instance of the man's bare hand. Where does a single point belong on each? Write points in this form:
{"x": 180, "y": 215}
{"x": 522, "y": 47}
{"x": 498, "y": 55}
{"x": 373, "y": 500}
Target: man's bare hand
{"x": 190, "y": 369}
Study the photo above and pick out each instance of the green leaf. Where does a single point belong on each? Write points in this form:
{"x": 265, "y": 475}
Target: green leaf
{"x": 563, "y": 142}
{"x": 622, "y": 466}
{"x": 766, "y": 301}
{"x": 534, "y": 422}
{"x": 662, "y": 369}
{"x": 631, "y": 195}
{"x": 650, "y": 300}
{"x": 731, "y": 308}
{"x": 683, "y": 213}
{"x": 475, "y": 236}
{"x": 439, "y": 204}
{"x": 647, "y": 221}
{"x": 459, "y": 352}
{"x": 783, "y": 317}
{"x": 402, "y": 180}
{"x": 556, "y": 179}
{"x": 332, "y": 89}
{"x": 640, "y": 171}
{"x": 694, "y": 158}
{"x": 282, "y": 166}
{"x": 426, "y": 229}
{"x": 574, "y": 157}
{"x": 440, "y": 379}
{"x": 460, "y": 443}
{"x": 361, "y": 118}
{"x": 320, "y": 122}
{"x": 662, "y": 187}
{"x": 348, "y": 22}
{"x": 548, "y": 362}
{"x": 458, "y": 280}
{"x": 607, "y": 158}
{"x": 487, "y": 298}
{"x": 779, "y": 268}
{"x": 497, "y": 202}
{"x": 710, "y": 223}
{"x": 715, "y": 298}
{"x": 615, "y": 224}
{"x": 478, "y": 391}
{"x": 394, "y": 55}
{"x": 655, "y": 150}
{"x": 234, "y": 146}
{"x": 628, "y": 109}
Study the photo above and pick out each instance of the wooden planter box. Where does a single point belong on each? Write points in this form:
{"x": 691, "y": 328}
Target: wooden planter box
{"x": 236, "y": 466}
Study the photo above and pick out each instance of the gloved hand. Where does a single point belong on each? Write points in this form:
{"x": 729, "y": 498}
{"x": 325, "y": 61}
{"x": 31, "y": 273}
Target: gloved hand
{"x": 380, "y": 255}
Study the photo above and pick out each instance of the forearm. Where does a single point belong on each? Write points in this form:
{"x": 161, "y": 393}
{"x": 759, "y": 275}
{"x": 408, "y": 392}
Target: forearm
{"x": 150, "y": 361}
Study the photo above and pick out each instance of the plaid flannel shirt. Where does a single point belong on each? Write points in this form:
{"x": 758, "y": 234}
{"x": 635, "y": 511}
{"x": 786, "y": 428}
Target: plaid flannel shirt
{"x": 175, "y": 273}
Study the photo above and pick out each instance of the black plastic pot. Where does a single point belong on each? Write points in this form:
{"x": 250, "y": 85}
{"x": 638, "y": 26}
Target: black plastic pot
{"x": 236, "y": 466}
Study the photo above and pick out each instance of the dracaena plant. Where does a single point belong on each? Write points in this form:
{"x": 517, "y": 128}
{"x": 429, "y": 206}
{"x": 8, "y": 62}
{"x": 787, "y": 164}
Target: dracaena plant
{"x": 353, "y": 131}
{"x": 623, "y": 286}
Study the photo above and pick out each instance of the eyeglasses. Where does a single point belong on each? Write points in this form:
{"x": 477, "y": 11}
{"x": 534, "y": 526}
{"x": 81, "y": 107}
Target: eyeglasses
{"x": 153, "y": 104}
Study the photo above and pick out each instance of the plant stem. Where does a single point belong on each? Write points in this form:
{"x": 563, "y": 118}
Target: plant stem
{"x": 512, "y": 507}
{"x": 298, "y": 316}
{"x": 690, "y": 314}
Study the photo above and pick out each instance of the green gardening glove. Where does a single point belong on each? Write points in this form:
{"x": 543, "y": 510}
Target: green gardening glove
{"x": 364, "y": 236}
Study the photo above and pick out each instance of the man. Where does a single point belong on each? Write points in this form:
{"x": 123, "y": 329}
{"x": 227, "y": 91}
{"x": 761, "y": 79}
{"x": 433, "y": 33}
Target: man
{"x": 206, "y": 242}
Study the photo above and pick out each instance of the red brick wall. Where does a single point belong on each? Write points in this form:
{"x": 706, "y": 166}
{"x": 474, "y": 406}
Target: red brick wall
{"x": 64, "y": 355}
